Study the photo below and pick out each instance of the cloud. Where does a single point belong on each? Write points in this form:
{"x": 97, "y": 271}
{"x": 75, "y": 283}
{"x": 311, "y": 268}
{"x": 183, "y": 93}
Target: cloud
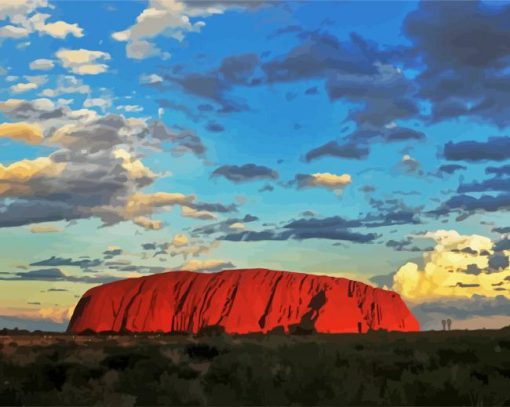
{"x": 333, "y": 149}
{"x": 55, "y": 274}
{"x": 23, "y": 87}
{"x": 476, "y": 312}
{"x": 215, "y": 127}
{"x": 42, "y": 64}
{"x": 244, "y": 173}
{"x": 495, "y": 149}
{"x": 410, "y": 165}
{"x": 44, "y": 228}
{"x": 144, "y": 49}
{"x": 57, "y": 29}
{"x": 235, "y": 70}
{"x": 171, "y": 18}
{"x": 223, "y": 226}
{"x": 469, "y": 204}
{"x": 447, "y": 270}
{"x": 83, "y": 61}
{"x": 188, "y": 212}
{"x": 67, "y": 84}
{"x": 183, "y": 141}
{"x": 326, "y": 180}
{"x": 96, "y": 169}
{"x": 25, "y": 20}
{"x": 29, "y": 133}
{"x": 210, "y": 266}
{"x": 180, "y": 240}
{"x": 54, "y": 261}
{"x": 493, "y": 184}
{"x": 451, "y": 168}
{"x": 459, "y": 46}
{"x": 332, "y": 228}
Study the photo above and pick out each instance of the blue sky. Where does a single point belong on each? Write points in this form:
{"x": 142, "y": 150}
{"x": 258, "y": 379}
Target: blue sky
{"x": 354, "y": 139}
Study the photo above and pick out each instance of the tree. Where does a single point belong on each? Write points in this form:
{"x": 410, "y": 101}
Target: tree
{"x": 444, "y": 324}
{"x": 449, "y": 322}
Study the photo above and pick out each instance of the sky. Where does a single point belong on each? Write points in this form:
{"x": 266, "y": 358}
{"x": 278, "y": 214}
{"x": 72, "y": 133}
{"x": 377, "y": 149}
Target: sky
{"x": 366, "y": 140}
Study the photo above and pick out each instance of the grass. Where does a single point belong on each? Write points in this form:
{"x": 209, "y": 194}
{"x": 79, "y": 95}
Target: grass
{"x": 379, "y": 368}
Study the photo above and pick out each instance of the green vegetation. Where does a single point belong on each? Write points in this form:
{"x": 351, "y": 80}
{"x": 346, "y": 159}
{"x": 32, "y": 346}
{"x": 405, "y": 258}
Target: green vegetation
{"x": 432, "y": 368}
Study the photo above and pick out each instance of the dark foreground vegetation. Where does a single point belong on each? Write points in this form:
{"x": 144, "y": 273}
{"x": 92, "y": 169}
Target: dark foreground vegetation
{"x": 431, "y": 368}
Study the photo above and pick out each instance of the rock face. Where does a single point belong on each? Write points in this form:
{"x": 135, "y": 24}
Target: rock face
{"x": 240, "y": 301}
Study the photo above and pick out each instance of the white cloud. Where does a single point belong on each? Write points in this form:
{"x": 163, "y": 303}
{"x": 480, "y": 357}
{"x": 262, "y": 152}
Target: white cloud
{"x": 169, "y": 18}
{"x": 23, "y": 87}
{"x": 130, "y": 108}
{"x": 58, "y": 29}
{"x": 67, "y": 84}
{"x": 141, "y": 49}
{"x": 11, "y": 31}
{"x": 83, "y": 61}
{"x": 150, "y": 79}
{"x": 102, "y": 103}
{"x": 458, "y": 267}
{"x": 25, "y": 20}
{"x": 42, "y": 64}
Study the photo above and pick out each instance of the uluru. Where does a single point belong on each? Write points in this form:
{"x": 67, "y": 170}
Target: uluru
{"x": 239, "y": 302}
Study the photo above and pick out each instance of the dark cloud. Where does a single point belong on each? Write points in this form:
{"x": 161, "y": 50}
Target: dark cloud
{"x": 498, "y": 171}
{"x": 54, "y": 261}
{"x": 464, "y": 48}
{"x": 223, "y": 226}
{"x": 471, "y": 204}
{"x": 333, "y": 228}
{"x": 183, "y": 141}
{"x": 405, "y": 245}
{"x": 267, "y": 188}
{"x": 495, "y": 149}
{"x": 451, "y": 168}
{"x": 215, "y": 84}
{"x": 112, "y": 253}
{"x": 502, "y": 230}
{"x": 178, "y": 107}
{"x": 383, "y": 280}
{"x": 334, "y": 149}
{"x": 494, "y": 184}
{"x": 215, "y": 127}
{"x": 290, "y": 29}
{"x": 55, "y": 274}
{"x": 244, "y": 173}
{"x": 312, "y": 91}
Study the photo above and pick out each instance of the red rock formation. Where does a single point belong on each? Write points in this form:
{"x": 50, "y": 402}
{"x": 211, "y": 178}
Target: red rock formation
{"x": 240, "y": 301}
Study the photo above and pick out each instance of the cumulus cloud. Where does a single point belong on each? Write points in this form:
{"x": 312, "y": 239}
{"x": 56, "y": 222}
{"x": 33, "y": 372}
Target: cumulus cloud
{"x": 42, "y": 64}
{"x": 458, "y": 267}
{"x": 97, "y": 169}
{"x": 325, "y": 180}
{"x": 27, "y": 132}
{"x": 188, "y": 212}
{"x": 25, "y": 19}
{"x": 23, "y": 87}
{"x": 169, "y": 18}
{"x": 83, "y": 61}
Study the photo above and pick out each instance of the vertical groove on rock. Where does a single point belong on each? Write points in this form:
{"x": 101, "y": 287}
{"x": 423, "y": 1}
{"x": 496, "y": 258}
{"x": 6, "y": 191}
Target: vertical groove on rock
{"x": 262, "y": 320}
{"x": 128, "y": 306}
